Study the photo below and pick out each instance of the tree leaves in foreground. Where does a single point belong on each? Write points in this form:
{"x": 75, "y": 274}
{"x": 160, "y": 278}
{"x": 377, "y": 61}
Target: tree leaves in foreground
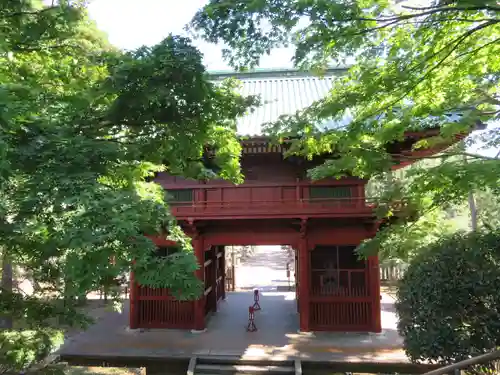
{"x": 82, "y": 126}
{"x": 415, "y": 68}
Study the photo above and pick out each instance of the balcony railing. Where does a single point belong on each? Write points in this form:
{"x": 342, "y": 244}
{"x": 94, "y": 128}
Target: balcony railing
{"x": 340, "y": 283}
{"x": 312, "y": 207}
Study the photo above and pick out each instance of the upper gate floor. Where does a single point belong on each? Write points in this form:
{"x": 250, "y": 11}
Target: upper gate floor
{"x": 270, "y": 201}
{"x": 277, "y": 184}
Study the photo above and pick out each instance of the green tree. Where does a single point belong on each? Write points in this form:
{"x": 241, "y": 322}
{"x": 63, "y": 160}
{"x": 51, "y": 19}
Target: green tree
{"x": 82, "y": 127}
{"x": 414, "y": 68}
{"x": 488, "y": 203}
{"x": 448, "y": 299}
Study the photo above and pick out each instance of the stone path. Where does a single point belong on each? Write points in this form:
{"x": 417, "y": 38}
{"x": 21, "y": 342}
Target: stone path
{"x": 265, "y": 269}
{"x": 277, "y": 336}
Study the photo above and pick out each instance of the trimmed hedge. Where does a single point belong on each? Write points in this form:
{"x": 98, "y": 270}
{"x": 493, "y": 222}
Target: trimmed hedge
{"x": 449, "y": 299}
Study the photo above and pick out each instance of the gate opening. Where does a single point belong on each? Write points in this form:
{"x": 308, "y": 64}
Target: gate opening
{"x": 328, "y": 285}
{"x": 260, "y": 291}
{"x": 266, "y": 267}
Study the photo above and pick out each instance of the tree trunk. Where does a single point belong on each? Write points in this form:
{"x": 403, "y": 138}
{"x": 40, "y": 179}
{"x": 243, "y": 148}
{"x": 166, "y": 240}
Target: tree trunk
{"x": 473, "y": 211}
{"x": 471, "y": 200}
{"x": 7, "y": 284}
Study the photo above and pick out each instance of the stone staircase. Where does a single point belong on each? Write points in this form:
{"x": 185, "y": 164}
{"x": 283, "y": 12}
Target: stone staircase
{"x": 227, "y": 365}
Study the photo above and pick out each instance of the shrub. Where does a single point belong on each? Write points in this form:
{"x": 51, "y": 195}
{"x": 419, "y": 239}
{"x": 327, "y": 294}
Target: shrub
{"x": 449, "y": 299}
{"x": 21, "y": 349}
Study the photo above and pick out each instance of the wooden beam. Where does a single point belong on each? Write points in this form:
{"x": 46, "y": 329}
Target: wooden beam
{"x": 374, "y": 275}
{"x": 199, "y": 305}
{"x": 134, "y": 311}
{"x": 304, "y": 282}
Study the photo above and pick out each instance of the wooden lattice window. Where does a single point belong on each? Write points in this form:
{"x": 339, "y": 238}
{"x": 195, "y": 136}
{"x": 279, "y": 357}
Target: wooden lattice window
{"x": 337, "y": 270}
{"x": 179, "y": 196}
{"x": 164, "y": 251}
{"x": 329, "y": 192}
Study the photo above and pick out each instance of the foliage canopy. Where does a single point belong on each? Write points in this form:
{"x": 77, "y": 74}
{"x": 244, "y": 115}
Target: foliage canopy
{"x": 82, "y": 126}
{"x": 413, "y": 68}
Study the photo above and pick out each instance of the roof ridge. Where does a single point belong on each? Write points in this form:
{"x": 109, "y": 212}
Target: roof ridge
{"x": 278, "y": 73}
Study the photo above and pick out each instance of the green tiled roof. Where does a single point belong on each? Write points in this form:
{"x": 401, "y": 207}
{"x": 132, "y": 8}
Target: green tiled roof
{"x": 282, "y": 91}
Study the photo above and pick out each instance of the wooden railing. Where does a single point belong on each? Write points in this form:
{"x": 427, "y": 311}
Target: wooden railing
{"x": 392, "y": 272}
{"x": 158, "y": 309}
{"x": 489, "y": 360}
{"x": 230, "y": 281}
{"x": 278, "y": 207}
{"x": 340, "y": 283}
{"x": 355, "y": 315}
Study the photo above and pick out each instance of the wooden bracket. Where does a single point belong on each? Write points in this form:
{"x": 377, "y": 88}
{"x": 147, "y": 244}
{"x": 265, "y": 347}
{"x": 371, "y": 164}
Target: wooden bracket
{"x": 191, "y": 229}
{"x": 303, "y": 228}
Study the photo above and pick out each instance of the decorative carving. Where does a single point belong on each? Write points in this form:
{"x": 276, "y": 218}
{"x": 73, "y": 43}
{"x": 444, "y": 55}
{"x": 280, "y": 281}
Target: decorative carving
{"x": 191, "y": 229}
{"x": 371, "y": 228}
{"x": 303, "y": 228}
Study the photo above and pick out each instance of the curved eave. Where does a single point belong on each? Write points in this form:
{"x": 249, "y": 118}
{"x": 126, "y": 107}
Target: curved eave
{"x": 409, "y": 156}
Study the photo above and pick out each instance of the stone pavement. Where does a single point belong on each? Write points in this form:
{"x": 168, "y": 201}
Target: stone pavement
{"x": 277, "y": 336}
{"x": 265, "y": 269}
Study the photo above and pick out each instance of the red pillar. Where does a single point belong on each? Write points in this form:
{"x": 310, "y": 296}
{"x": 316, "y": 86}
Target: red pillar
{"x": 213, "y": 276}
{"x": 304, "y": 283}
{"x": 296, "y": 277}
{"x": 133, "y": 313}
{"x": 223, "y": 270}
{"x": 199, "y": 304}
{"x": 375, "y": 282}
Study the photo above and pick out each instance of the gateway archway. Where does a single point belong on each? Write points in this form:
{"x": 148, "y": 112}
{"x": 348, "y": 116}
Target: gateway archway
{"x": 279, "y": 204}
{"x": 266, "y": 267}
{"x": 335, "y": 291}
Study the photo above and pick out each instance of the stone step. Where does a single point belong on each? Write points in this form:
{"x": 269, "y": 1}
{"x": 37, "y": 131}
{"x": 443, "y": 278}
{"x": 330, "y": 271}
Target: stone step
{"x": 243, "y": 369}
{"x": 232, "y": 373}
{"x": 236, "y": 360}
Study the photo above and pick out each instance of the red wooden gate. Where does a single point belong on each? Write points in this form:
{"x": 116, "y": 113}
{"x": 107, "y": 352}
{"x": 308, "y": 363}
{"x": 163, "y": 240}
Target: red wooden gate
{"x": 341, "y": 298}
{"x": 343, "y": 309}
{"x": 156, "y": 308}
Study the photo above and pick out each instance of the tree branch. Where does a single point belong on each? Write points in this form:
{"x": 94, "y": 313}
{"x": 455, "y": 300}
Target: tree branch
{"x": 402, "y": 17}
{"x": 457, "y": 42}
{"x": 446, "y": 155}
{"x": 470, "y": 8}
{"x": 31, "y": 13}
{"x": 19, "y": 48}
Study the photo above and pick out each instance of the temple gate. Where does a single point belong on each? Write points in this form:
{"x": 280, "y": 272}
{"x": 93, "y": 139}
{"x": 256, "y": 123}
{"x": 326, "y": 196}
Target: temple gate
{"x": 277, "y": 204}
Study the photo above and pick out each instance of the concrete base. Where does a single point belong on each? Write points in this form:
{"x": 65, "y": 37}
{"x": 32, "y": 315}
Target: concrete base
{"x": 135, "y": 330}
{"x": 198, "y": 331}
{"x": 308, "y": 334}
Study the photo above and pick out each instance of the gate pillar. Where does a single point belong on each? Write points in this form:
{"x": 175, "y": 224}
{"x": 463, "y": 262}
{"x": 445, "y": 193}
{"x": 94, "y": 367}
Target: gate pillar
{"x": 375, "y": 282}
{"x": 304, "y": 279}
{"x": 199, "y": 304}
{"x": 133, "y": 300}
